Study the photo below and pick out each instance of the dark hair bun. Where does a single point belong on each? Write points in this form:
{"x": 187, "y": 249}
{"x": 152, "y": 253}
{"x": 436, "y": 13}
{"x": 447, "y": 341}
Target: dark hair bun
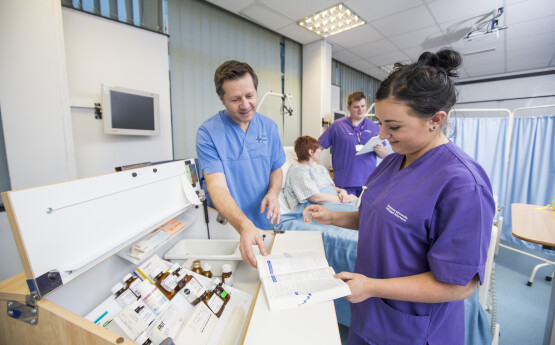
{"x": 446, "y": 60}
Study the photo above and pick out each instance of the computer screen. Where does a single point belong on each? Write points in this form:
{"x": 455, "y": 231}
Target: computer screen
{"x": 129, "y": 112}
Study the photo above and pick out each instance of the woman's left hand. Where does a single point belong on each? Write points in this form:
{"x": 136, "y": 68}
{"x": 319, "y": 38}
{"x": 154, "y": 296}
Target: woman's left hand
{"x": 359, "y": 284}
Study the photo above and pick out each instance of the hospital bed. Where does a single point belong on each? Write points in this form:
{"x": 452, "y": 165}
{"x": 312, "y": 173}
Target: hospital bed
{"x": 341, "y": 247}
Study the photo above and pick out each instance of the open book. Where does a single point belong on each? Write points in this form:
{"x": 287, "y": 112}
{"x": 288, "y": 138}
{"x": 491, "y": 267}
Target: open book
{"x": 299, "y": 278}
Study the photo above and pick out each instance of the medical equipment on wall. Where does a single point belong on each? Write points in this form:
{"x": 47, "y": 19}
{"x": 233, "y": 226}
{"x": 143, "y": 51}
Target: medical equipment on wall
{"x": 284, "y": 109}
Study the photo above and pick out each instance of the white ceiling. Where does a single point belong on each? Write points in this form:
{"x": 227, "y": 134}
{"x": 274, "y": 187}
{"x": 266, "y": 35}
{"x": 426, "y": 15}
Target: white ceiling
{"x": 400, "y": 30}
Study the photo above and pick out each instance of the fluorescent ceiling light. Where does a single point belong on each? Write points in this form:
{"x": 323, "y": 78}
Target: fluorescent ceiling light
{"x": 331, "y": 21}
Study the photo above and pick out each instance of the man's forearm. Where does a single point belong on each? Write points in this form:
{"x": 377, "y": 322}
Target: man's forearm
{"x": 227, "y": 207}
{"x": 276, "y": 178}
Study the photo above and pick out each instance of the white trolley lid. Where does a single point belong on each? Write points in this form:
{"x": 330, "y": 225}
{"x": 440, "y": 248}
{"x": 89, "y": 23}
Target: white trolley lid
{"x": 64, "y": 229}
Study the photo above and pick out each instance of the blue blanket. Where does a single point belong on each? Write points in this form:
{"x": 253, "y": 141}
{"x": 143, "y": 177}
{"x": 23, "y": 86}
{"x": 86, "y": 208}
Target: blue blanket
{"x": 340, "y": 245}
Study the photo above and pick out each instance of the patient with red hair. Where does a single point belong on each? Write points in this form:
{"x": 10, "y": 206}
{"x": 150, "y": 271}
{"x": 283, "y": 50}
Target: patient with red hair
{"x": 310, "y": 182}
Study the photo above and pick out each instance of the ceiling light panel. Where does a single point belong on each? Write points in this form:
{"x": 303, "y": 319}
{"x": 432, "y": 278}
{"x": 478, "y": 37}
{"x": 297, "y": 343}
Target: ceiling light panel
{"x": 332, "y": 21}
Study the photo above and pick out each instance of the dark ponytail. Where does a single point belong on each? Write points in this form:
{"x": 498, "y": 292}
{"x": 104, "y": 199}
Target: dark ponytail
{"x": 425, "y": 86}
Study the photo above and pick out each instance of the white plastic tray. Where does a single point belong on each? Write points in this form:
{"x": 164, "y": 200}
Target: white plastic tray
{"x": 215, "y": 252}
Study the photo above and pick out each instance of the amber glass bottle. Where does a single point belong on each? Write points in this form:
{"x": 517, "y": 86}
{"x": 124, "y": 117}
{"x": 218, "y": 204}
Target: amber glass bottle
{"x": 164, "y": 281}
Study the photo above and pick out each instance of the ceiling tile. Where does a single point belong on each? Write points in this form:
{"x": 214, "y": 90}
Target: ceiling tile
{"x": 345, "y": 56}
{"x": 232, "y": 6}
{"x": 478, "y": 70}
{"x": 298, "y": 34}
{"x": 265, "y": 17}
{"x": 415, "y": 26}
{"x": 375, "y": 72}
{"x": 414, "y": 53}
{"x": 545, "y": 41}
{"x": 427, "y": 38}
{"x": 386, "y": 59}
{"x": 375, "y": 48}
{"x": 371, "y": 10}
{"x": 354, "y": 37}
{"x": 471, "y": 11}
{"x": 527, "y": 59}
{"x": 531, "y": 27}
{"x": 528, "y": 10}
{"x": 404, "y": 22}
{"x": 297, "y": 9}
{"x": 336, "y": 48}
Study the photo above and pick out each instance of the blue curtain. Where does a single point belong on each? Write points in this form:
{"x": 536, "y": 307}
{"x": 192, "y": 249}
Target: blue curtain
{"x": 484, "y": 140}
{"x": 529, "y": 175}
{"x": 531, "y": 172}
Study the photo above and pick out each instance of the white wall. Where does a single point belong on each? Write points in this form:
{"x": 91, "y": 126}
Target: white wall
{"x": 45, "y": 141}
{"x": 100, "y": 51}
{"x": 34, "y": 93}
{"x": 316, "y": 103}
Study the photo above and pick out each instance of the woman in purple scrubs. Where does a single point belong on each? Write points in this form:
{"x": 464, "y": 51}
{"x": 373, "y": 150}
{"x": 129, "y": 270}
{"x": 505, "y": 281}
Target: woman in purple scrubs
{"x": 425, "y": 217}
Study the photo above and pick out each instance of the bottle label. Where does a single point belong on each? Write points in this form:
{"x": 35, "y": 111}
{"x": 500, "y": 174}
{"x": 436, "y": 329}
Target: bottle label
{"x": 126, "y": 298}
{"x": 215, "y": 303}
{"x": 169, "y": 283}
{"x": 193, "y": 290}
{"x": 228, "y": 280}
{"x": 134, "y": 287}
{"x": 155, "y": 300}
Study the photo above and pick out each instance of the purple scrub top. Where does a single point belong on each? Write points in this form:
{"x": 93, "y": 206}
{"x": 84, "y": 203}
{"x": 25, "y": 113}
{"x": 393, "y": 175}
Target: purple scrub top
{"x": 434, "y": 215}
{"x": 350, "y": 170}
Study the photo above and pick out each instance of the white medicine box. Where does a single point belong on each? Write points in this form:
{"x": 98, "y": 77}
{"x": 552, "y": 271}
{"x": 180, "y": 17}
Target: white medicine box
{"x": 74, "y": 240}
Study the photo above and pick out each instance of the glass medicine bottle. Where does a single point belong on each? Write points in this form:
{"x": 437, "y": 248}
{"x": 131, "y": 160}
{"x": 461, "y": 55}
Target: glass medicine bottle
{"x": 196, "y": 267}
{"x": 227, "y": 275}
{"x": 207, "y": 270}
{"x": 180, "y": 277}
{"x": 164, "y": 281}
{"x": 217, "y": 298}
{"x": 123, "y": 296}
{"x": 131, "y": 282}
{"x": 193, "y": 290}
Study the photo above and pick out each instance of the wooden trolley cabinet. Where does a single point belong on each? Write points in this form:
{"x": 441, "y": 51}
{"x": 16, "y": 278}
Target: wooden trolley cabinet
{"x": 73, "y": 239}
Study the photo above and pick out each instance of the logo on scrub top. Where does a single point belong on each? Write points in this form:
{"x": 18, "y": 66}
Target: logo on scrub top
{"x": 260, "y": 139}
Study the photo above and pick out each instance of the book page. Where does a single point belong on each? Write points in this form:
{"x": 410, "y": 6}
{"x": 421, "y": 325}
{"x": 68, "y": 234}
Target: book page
{"x": 274, "y": 264}
{"x": 301, "y": 283}
{"x": 294, "y": 279}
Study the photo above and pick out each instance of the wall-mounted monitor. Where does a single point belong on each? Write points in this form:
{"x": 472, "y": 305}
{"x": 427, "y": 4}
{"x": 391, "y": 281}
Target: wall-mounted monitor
{"x": 129, "y": 112}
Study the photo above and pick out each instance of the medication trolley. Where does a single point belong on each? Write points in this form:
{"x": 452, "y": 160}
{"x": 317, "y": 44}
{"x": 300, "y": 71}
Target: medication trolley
{"x": 74, "y": 240}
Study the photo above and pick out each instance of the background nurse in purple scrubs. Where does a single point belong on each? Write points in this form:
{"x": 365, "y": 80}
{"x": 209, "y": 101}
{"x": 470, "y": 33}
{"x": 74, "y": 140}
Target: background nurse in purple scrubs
{"x": 425, "y": 218}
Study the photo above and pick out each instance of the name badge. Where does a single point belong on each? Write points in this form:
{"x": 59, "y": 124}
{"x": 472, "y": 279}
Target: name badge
{"x": 359, "y": 147}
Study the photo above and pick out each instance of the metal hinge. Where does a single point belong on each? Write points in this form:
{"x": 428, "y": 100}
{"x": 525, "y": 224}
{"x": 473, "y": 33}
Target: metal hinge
{"x": 25, "y": 312}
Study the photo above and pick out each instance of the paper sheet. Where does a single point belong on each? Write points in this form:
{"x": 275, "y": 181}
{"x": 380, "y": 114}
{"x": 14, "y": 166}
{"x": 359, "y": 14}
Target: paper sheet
{"x": 369, "y": 146}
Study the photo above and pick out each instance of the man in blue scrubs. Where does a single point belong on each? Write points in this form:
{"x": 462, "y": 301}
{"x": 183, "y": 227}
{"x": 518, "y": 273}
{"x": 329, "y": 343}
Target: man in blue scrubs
{"x": 241, "y": 155}
{"x": 347, "y": 136}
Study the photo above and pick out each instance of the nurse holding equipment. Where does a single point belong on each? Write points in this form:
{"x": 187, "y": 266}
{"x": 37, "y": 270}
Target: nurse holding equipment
{"x": 424, "y": 220}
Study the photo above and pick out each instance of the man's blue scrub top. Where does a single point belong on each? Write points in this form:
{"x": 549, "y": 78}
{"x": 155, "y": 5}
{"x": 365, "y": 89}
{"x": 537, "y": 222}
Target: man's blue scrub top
{"x": 246, "y": 159}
